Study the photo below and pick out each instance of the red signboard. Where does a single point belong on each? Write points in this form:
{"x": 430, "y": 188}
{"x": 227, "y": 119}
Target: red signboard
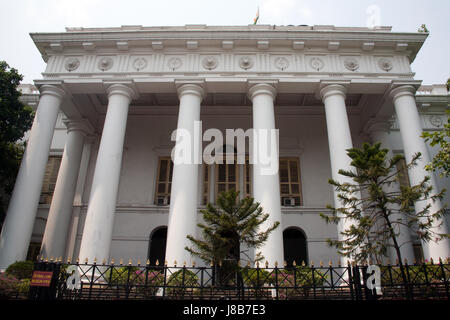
{"x": 41, "y": 278}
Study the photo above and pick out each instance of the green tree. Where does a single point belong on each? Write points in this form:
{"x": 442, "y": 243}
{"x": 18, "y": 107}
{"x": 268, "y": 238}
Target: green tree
{"x": 441, "y": 160}
{"x": 15, "y": 120}
{"x": 375, "y": 208}
{"x": 228, "y": 225}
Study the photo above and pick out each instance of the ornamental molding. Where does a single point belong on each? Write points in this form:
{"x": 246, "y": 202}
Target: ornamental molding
{"x": 385, "y": 64}
{"x": 210, "y": 62}
{"x": 246, "y": 62}
{"x": 281, "y": 63}
{"x": 174, "y": 63}
{"x": 351, "y": 64}
{"x": 139, "y": 63}
{"x": 71, "y": 64}
{"x": 343, "y": 65}
{"x": 316, "y": 63}
{"x": 436, "y": 121}
{"x": 105, "y": 63}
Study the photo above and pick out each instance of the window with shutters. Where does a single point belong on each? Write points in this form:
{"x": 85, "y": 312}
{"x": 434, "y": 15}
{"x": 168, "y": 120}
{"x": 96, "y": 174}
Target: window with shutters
{"x": 290, "y": 186}
{"x": 49, "y": 183}
{"x": 164, "y": 181}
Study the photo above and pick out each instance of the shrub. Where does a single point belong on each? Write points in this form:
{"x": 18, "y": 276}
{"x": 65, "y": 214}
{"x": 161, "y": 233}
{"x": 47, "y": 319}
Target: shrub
{"x": 119, "y": 276}
{"x": 256, "y": 277}
{"x": 21, "y": 269}
{"x": 8, "y": 285}
{"x": 155, "y": 279}
{"x": 181, "y": 282}
{"x": 301, "y": 283}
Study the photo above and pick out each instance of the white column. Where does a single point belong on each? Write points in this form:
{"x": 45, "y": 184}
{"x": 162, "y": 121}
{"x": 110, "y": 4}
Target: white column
{"x": 339, "y": 140}
{"x": 183, "y": 198}
{"x": 379, "y": 132}
{"x": 266, "y": 184}
{"x": 18, "y": 226}
{"x": 78, "y": 198}
{"x": 57, "y": 227}
{"x": 98, "y": 227}
{"x": 410, "y": 129}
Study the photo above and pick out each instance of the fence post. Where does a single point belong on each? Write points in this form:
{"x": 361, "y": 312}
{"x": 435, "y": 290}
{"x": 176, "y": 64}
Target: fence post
{"x": 444, "y": 278}
{"x": 350, "y": 281}
{"x": 313, "y": 270}
{"x": 276, "y": 282}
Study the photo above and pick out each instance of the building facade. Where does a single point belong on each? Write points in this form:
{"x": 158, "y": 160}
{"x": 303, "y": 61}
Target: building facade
{"x": 97, "y": 180}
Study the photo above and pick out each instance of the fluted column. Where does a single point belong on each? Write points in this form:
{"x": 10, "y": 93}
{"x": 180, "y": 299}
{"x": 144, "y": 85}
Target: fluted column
{"x": 184, "y": 194}
{"x": 339, "y": 140}
{"x": 98, "y": 227}
{"x": 379, "y": 132}
{"x": 18, "y": 226}
{"x": 410, "y": 129}
{"x": 265, "y": 181}
{"x": 57, "y": 227}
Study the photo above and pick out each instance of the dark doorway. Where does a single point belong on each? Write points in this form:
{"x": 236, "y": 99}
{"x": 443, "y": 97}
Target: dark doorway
{"x": 295, "y": 246}
{"x": 157, "y": 246}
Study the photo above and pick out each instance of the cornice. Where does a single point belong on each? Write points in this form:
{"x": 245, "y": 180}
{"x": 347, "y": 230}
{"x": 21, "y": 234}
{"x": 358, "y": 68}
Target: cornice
{"x": 260, "y": 37}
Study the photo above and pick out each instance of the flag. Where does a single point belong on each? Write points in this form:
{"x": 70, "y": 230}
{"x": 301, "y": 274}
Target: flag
{"x": 257, "y": 17}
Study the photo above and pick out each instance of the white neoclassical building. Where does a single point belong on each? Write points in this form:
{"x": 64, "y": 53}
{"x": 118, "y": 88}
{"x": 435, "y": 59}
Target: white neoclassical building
{"x": 97, "y": 180}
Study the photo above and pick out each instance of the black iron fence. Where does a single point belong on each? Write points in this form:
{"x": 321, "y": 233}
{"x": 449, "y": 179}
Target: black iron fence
{"x": 351, "y": 282}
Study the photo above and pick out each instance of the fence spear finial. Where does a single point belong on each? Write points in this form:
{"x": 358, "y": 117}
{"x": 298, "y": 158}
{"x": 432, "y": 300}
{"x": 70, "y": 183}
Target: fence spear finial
{"x": 175, "y": 263}
{"x": 148, "y": 262}
{"x": 294, "y": 263}
{"x": 121, "y": 261}
{"x": 130, "y": 262}
{"x": 267, "y": 264}
{"x": 156, "y": 263}
{"x": 193, "y": 263}
{"x": 112, "y": 261}
{"x": 139, "y": 262}
{"x": 86, "y": 261}
{"x": 103, "y": 261}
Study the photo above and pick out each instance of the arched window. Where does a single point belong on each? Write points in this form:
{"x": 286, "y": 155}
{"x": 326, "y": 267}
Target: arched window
{"x": 157, "y": 246}
{"x": 295, "y": 246}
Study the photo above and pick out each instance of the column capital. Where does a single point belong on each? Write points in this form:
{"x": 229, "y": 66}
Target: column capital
{"x": 122, "y": 89}
{"x": 262, "y": 88}
{"x": 333, "y": 89}
{"x": 53, "y": 90}
{"x": 82, "y": 125}
{"x": 405, "y": 90}
{"x": 195, "y": 88}
{"x": 377, "y": 125}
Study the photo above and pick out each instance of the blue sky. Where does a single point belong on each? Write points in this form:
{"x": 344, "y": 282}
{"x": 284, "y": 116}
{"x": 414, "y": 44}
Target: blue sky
{"x": 20, "y": 17}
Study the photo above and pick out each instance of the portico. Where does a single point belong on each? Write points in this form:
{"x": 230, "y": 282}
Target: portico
{"x": 130, "y": 90}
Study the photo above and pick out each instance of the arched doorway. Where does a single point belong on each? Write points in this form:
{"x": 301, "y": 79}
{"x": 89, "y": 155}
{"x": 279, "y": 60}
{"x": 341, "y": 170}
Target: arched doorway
{"x": 295, "y": 246}
{"x": 157, "y": 246}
